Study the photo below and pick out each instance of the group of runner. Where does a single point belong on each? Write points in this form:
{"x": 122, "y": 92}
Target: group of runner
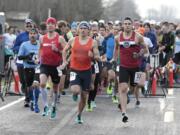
{"x": 92, "y": 56}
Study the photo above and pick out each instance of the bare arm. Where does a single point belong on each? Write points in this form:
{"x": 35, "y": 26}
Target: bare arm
{"x": 40, "y": 42}
{"x": 65, "y": 50}
{"x": 96, "y": 51}
{"x": 141, "y": 42}
{"x": 115, "y": 54}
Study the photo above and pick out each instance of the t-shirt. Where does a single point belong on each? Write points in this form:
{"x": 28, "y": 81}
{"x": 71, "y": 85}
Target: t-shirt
{"x": 148, "y": 42}
{"x": 177, "y": 45}
{"x": 25, "y": 49}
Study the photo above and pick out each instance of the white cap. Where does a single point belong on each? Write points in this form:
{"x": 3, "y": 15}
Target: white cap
{"x": 101, "y": 21}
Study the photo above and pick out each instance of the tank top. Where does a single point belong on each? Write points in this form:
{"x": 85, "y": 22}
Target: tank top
{"x": 47, "y": 55}
{"x": 79, "y": 55}
{"x": 127, "y": 48}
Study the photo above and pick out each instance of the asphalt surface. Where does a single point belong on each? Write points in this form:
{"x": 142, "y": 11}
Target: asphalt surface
{"x": 155, "y": 116}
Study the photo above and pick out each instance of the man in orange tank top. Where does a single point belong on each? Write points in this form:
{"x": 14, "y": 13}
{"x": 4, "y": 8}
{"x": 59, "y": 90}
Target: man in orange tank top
{"x": 83, "y": 50}
{"x": 50, "y": 55}
{"x": 132, "y": 47}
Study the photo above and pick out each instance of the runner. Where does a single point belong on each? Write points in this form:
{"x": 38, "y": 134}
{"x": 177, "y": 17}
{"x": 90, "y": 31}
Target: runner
{"x": 84, "y": 49}
{"x": 28, "y": 53}
{"x": 130, "y": 49}
{"x": 50, "y": 55}
{"x": 22, "y": 37}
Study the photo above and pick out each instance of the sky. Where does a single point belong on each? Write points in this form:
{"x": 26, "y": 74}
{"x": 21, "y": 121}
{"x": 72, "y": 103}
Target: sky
{"x": 144, "y": 5}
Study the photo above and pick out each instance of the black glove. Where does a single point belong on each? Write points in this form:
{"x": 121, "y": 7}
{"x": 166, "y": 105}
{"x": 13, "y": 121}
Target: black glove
{"x": 26, "y": 57}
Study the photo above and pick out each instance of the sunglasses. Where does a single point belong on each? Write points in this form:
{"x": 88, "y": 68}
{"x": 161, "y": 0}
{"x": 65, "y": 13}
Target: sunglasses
{"x": 29, "y": 26}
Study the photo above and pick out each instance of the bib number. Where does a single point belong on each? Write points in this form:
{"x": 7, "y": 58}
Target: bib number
{"x": 60, "y": 73}
{"x": 117, "y": 68}
{"x": 37, "y": 70}
{"x": 140, "y": 78}
{"x": 72, "y": 76}
{"x": 96, "y": 67}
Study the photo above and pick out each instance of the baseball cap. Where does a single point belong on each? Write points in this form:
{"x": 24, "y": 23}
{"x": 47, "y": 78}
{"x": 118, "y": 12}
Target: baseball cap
{"x": 110, "y": 22}
{"x": 51, "y": 20}
{"x": 84, "y": 24}
{"x": 28, "y": 20}
{"x": 74, "y": 25}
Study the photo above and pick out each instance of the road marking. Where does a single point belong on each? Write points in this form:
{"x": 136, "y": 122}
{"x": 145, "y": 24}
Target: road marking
{"x": 169, "y": 116}
{"x": 11, "y": 104}
{"x": 171, "y": 91}
{"x": 162, "y": 104}
{"x": 63, "y": 122}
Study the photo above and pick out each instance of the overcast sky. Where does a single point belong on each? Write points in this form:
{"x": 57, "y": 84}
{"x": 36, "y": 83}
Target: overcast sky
{"x": 144, "y": 5}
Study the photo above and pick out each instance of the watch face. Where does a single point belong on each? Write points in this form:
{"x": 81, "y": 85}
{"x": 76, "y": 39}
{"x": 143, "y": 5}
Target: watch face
{"x": 126, "y": 44}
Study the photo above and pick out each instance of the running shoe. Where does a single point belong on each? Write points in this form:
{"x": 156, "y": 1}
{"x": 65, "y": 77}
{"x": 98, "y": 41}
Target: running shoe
{"x": 63, "y": 92}
{"x": 46, "y": 111}
{"x": 78, "y": 120}
{"x": 53, "y": 112}
{"x": 137, "y": 103}
{"x": 93, "y": 104}
{"x": 75, "y": 97}
{"x": 109, "y": 90}
{"x": 124, "y": 118}
{"x": 114, "y": 99}
{"x": 36, "y": 109}
{"x": 89, "y": 108}
{"x": 26, "y": 104}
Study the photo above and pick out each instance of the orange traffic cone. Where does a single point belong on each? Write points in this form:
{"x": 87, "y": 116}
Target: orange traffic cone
{"x": 154, "y": 85}
{"x": 171, "y": 76}
{"x": 16, "y": 83}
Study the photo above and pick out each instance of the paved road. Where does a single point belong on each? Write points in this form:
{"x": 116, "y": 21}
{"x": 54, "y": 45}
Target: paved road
{"x": 156, "y": 116}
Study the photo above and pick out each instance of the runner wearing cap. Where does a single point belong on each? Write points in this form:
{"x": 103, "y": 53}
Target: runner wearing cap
{"x": 22, "y": 37}
{"x": 50, "y": 55}
{"x": 83, "y": 50}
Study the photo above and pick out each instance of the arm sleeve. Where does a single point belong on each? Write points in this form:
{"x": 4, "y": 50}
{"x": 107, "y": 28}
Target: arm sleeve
{"x": 21, "y": 50}
{"x": 17, "y": 45}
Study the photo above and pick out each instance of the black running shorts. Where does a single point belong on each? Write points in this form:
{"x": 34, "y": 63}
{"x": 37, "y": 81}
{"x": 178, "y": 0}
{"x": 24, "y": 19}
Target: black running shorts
{"x": 81, "y": 78}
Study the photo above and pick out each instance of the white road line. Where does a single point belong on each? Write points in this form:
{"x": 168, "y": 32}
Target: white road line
{"x": 63, "y": 122}
{"x": 11, "y": 104}
{"x": 169, "y": 116}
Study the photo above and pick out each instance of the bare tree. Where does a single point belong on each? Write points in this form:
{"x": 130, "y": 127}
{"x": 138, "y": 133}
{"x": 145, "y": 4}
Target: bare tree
{"x": 61, "y": 9}
{"x": 120, "y": 9}
{"x": 165, "y": 13}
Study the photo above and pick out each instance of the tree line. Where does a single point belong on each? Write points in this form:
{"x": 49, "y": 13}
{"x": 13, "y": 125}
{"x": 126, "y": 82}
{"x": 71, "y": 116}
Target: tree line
{"x": 72, "y": 9}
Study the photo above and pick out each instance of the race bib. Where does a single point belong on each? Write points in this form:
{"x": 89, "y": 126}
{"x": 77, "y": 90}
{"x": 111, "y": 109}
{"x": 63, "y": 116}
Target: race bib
{"x": 72, "y": 76}
{"x": 19, "y": 61}
{"x": 117, "y": 68}
{"x": 37, "y": 70}
{"x": 35, "y": 57}
{"x": 140, "y": 78}
{"x": 59, "y": 71}
{"x": 96, "y": 67}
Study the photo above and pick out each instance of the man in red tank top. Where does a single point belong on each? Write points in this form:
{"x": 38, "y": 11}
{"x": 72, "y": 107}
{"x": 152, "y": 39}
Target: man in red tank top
{"x": 83, "y": 50}
{"x": 131, "y": 48}
{"x": 50, "y": 55}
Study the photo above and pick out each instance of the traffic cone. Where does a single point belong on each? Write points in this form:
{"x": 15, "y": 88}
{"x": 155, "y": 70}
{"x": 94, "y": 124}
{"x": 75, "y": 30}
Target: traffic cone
{"x": 16, "y": 83}
{"x": 154, "y": 85}
{"x": 171, "y": 76}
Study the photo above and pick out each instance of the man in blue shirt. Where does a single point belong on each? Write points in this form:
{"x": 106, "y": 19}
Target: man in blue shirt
{"x": 22, "y": 37}
{"x": 28, "y": 53}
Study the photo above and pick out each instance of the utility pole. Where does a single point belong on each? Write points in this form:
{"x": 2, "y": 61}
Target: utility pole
{"x": 49, "y": 12}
